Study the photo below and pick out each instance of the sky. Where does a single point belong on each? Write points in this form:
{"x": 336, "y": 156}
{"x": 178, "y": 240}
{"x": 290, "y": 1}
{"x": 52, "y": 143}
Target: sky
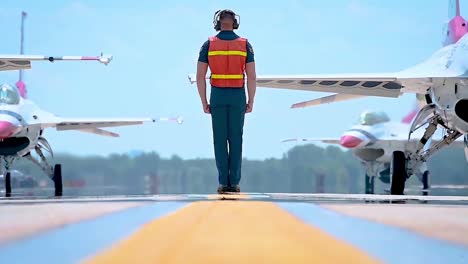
{"x": 155, "y": 45}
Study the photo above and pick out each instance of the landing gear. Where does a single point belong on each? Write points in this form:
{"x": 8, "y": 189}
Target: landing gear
{"x": 425, "y": 180}
{"x": 369, "y": 184}
{"x": 54, "y": 173}
{"x": 398, "y": 173}
{"x": 421, "y": 155}
{"x": 57, "y": 178}
{"x": 8, "y": 184}
{"x": 373, "y": 169}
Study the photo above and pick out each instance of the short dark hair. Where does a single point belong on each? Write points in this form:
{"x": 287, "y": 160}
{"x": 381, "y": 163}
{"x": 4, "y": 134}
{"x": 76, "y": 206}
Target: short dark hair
{"x": 226, "y": 13}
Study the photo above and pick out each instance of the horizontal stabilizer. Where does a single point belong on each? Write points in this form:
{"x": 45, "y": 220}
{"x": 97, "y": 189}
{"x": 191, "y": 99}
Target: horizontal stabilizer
{"x": 327, "y": 100}
{"x": 99, "y": 131}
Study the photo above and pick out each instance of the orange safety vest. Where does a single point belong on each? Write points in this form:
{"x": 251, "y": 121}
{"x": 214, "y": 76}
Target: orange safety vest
{"x": 226, "y": 59}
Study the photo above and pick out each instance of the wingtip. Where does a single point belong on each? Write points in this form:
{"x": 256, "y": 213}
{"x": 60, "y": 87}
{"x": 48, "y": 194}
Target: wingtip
{"x": 180, "y": 120}
{"x": 191, "y": 78}
{"x": 105, "y": 59}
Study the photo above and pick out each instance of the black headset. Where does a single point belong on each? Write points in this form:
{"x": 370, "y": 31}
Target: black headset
{"x": 217, "y": 22}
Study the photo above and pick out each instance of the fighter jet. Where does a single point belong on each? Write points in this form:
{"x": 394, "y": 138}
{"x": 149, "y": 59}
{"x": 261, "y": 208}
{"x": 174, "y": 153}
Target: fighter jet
{"x": 373, "y": 140}
{"x": 441, "y": 81}
{"x": 22, "y": 122}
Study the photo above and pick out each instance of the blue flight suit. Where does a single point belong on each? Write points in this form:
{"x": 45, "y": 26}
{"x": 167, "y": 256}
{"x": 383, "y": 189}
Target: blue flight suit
{"x": 227, "y": 117}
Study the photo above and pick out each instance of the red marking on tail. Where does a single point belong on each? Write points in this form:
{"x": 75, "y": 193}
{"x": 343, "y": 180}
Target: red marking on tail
{"x": 409, "y": 118}
{"x": 458, "y": 26}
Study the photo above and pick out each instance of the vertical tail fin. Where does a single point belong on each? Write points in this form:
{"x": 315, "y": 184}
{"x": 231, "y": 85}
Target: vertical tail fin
{"x": 409, "y": 117}
{"x": 20, "y": 84}
{"x": 457, "y": 27}
{"x": 454, "y": 8}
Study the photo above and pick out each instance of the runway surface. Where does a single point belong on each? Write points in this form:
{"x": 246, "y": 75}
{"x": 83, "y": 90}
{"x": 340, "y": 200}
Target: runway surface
{"x": 246, "y": 227}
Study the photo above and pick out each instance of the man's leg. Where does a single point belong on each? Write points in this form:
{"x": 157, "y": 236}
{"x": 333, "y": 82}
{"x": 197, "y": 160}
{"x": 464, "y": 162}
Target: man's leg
{"x": 236, "y": 115}
{"x": 219, "y": 121}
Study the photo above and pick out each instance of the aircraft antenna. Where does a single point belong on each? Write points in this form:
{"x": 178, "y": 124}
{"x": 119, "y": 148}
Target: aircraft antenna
{"x": 23, "y": 16}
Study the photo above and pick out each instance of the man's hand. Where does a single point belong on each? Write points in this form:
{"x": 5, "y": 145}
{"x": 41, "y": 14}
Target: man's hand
{"x": 249, "y": 107}
{"x": 206, "y": 108}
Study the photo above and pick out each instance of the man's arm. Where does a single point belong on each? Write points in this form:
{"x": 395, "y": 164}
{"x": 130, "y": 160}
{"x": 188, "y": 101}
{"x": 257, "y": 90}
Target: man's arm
{"x": 251, "y": 84}
{"x": 202, "y": 68}
{"x": 251, "y": 77}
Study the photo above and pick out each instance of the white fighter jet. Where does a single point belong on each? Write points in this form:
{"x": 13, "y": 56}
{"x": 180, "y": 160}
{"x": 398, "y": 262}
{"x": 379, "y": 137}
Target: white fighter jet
{"x": 441, "y": 83}
{"x": 22, "y": 122}
{"x": 373, "y": 140}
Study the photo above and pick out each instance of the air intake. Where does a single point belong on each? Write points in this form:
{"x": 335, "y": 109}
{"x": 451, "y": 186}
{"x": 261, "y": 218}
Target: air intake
{"x": 461, "y": 109}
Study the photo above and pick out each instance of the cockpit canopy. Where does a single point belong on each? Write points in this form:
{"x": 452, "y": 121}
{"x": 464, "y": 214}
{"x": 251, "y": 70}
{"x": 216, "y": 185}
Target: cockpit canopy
{"x": 9, "y": 95}
{"x": 372, "y": 118}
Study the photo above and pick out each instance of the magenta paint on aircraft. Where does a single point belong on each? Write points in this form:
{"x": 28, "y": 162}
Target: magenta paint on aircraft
{"x": 457, "y": 26}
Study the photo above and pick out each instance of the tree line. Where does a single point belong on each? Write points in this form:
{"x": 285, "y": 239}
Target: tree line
{"x": 302, "y": 169}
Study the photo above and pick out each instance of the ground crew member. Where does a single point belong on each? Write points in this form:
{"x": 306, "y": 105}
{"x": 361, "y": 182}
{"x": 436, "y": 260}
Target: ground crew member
{"x": 228, "y": 56}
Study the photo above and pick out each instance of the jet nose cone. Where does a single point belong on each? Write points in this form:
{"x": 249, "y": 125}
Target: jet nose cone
{"x": 6, "y": 129}
{"x": 350, "y": 141}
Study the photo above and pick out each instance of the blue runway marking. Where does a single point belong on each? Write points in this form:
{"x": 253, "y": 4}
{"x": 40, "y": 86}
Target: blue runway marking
{"x": 74, "y": 242}
{"x": 387, "y": 243}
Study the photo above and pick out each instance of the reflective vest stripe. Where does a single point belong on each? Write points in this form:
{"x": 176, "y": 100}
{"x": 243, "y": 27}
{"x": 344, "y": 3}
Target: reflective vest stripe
{"x": 227, "y": 52}
{"x": 227, "y": 76}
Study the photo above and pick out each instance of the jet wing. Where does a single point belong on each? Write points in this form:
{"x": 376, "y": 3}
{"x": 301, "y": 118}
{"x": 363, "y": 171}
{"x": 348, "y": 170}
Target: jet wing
{"x": 367, "y": 84}
{"x": 445, "y": 63}
{"x": 21, "y": 62}
{"x": 324, "y": 140}
{"x": 95, "y": 125}
{"x": 382, "y": 85}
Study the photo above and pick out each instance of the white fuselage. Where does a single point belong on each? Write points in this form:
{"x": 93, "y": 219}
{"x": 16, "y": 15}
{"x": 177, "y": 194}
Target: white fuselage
{"x": 371, "y": 138}
{"x": 448, "y": 83}
{"x": 25, "y": 119}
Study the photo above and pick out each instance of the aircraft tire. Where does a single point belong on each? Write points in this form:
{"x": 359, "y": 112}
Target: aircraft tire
{"x": 8, "y": 184}
{"x": 425, "y": 180}
{"x": 58, "y": 180}
{"x": 398, "y": 173}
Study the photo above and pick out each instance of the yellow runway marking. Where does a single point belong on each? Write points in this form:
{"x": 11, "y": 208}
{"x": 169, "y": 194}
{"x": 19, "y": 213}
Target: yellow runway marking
{"x": 231, "y": 232}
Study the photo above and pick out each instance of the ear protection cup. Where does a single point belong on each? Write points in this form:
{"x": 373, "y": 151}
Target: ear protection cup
{"x": 216, "y": 22}
{"x": 236, "y": 24}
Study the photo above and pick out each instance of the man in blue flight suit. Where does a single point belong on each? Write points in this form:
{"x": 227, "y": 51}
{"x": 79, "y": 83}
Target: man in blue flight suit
{"x": 229, "y": 57}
